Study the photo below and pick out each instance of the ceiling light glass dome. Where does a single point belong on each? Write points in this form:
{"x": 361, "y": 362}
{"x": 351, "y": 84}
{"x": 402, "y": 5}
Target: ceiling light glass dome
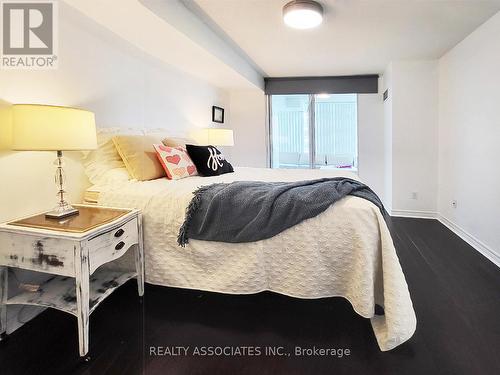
{"x": 302, "y": 14}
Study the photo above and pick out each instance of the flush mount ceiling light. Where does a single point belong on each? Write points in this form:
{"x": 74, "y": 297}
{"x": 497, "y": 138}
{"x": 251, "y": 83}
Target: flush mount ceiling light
{"x": 303, "y": 14}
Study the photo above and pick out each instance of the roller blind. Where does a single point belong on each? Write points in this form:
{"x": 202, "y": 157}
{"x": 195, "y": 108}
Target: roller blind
{"x": 360, "y": 84}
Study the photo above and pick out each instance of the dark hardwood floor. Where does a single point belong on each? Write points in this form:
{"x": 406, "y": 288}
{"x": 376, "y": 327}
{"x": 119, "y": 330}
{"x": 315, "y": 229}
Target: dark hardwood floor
{"x": 455, "y": 292}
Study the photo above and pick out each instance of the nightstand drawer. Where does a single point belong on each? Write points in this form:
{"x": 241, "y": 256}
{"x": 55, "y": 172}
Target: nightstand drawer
{"x": 112, "y": 244}
{"x": 38, "y": 253}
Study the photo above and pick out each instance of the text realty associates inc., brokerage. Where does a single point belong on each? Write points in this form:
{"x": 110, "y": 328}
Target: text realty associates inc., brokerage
{"x": 242, "y": 351}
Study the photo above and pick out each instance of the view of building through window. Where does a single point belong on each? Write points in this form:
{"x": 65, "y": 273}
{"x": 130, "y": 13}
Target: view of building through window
{"x": 314, "y": 131}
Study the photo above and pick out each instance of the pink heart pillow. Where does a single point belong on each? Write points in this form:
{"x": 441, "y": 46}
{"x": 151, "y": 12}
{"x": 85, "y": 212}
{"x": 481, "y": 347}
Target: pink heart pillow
{"x": 175, "y": 161}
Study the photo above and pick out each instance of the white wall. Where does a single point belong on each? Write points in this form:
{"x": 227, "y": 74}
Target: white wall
{"x": 412, "y": 119}
{"x": 442, "y": 129}
{"x": 123, "y": 86}
{"x": 387, "y": 86}
{"x": 100, "y": 72}
{"x": 248, "y": 121}
{"x": 469, "y": 137}
{"x": 371, "y": 168}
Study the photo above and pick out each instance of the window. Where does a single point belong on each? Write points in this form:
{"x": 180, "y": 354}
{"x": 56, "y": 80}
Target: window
{"x": 314, "y": 131}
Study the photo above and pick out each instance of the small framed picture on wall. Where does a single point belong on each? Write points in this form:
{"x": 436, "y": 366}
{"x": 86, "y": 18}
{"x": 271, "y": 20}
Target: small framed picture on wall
{"x": 217, "y": 114}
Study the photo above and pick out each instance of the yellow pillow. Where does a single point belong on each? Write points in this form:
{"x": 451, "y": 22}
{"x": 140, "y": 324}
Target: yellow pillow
{"x": 139, "y": 156}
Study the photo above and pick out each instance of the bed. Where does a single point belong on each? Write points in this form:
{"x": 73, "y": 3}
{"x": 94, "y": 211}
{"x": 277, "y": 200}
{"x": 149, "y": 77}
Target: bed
{"x": 346, "y": 251}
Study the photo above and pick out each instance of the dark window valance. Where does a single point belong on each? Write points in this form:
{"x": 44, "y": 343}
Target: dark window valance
{"x": 361, "y": 84}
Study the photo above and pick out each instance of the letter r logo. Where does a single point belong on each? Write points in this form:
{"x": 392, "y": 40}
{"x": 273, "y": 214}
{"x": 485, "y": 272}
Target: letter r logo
{"x": 27, "y": 28}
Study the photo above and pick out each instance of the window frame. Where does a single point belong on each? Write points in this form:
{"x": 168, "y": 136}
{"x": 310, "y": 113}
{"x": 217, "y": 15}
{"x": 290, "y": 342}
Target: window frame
{"x": 312, "y": 131}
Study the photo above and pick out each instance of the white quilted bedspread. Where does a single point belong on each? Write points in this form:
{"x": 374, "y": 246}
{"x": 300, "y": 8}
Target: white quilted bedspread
{"x": 346, "y": 251}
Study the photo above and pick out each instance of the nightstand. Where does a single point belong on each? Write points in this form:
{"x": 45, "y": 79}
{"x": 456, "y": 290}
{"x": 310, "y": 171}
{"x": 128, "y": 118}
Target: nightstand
{"x": 71, "y": 249}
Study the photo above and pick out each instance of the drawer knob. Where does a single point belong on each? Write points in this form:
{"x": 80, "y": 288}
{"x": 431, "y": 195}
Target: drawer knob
{"x": 119, "y": 245}
{"x": 119, "y": 232}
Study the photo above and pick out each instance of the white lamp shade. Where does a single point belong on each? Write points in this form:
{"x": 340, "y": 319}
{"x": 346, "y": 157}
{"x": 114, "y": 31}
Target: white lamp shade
{"x": 220, "y": 137}
{"x": 52, "y": 128}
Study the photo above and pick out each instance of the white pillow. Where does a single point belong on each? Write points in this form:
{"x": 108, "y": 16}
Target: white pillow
{"x": 114, "y": 175}
{"x": 178, "y": 141}
{"x": 171, "y": 139}
{"x": 104, "y": 164}
{"x": 160, "y": 132}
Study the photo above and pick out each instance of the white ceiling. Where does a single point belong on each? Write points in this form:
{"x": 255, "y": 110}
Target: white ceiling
{"x": 139, "y": 26}
{"x": 356, "y": 37}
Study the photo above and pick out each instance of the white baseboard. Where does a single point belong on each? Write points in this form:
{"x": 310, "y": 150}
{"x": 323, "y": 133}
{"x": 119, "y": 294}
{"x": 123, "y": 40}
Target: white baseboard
{"x": 484, "y": 249}
{"x": 460, "y": 232}
{"x": 414, "y": 214}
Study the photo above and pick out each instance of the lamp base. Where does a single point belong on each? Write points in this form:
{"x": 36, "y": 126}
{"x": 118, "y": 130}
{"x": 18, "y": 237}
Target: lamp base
{"x": 63, "y": 209}
{"x": 59, "y": 213}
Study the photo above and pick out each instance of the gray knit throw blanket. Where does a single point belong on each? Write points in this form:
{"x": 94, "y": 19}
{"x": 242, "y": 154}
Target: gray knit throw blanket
{"x": 246, "y": 211}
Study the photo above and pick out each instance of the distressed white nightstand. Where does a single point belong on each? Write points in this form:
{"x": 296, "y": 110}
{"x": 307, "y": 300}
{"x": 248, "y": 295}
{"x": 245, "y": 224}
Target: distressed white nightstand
{"x": 71, "y": 249}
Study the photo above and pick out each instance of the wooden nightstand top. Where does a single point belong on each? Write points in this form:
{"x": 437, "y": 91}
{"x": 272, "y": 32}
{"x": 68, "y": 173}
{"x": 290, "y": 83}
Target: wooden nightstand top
{"x": 88, "y": 218}
{"x": 91, "y": 221}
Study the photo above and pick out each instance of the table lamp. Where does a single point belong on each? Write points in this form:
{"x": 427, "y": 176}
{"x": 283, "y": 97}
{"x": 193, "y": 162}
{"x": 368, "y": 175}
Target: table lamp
{"x": 51, "y": 128}
{"x": 220, "y": 137}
